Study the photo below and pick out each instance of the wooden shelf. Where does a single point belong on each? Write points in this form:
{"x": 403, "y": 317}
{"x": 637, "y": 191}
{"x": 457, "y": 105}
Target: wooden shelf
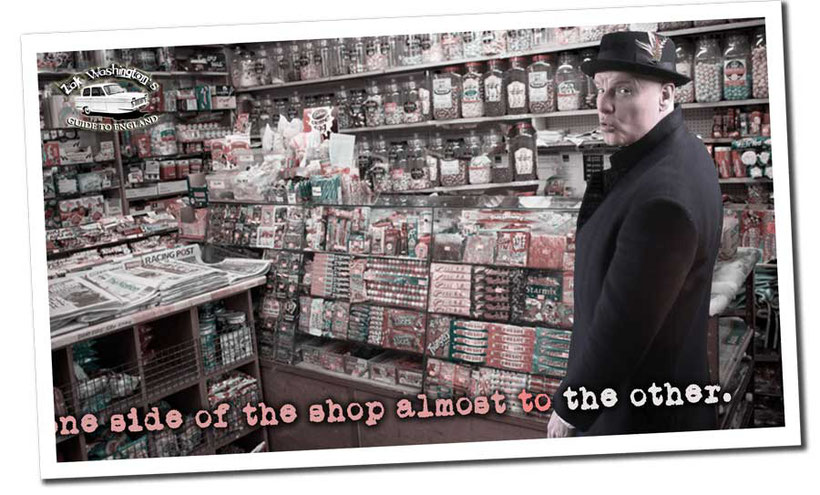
{"x": 436, "y": 65}
{"x": 745, "y": 180}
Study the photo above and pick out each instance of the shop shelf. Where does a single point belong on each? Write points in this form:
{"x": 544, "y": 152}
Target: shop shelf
{"x": 130, "y": 238}
{"x": 745, "y": 180}
{"x": 435, "y": 65}
{"x": 82, "y": 194}
{"x": 170, "y": 370}
{"x": 475, "y": 187}
{"x": 151, "y": 314}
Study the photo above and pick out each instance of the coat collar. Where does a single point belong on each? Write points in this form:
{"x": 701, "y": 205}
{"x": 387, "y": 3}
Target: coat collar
{"x": 627, "y": 157}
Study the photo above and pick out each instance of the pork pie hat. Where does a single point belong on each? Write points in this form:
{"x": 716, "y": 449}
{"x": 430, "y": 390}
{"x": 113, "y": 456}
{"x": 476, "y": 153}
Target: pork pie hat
{"x": 638, "y": 52}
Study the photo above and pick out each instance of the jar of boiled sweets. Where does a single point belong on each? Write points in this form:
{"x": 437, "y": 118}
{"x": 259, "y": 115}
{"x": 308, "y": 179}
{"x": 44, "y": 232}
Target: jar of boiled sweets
{"x": 519, "y": 40}
{"x": 309, "y": 69}
{"x": 247, "y": 71}
{"x": 340, "y": 57}
{"x": 412, "y": 50}
{"x": 568, "y": 35}
{"x": 453, "y": 167}
{"x": 523, "y": 152}
{"x": 431, "y": 50}
{"x": 399, "y": 172}
{"x": 541, "y": 83}
{"x": 760, "y": 69}
{"x": 393, "y": 108}
{"x": 446, "y": 94}
{"x": 417, "y": 163}
{"x": 357, "y": 56}
{"x": 494, "y": 42}
{"x": 495, "y": 99}
{"x": 737, "y": 68}
{"x": 326, "y": 58}
{"x": 668, "y": 26}
{"x": 357, "y": 108}
{"x": 471, "y": 44}
{"x": 278, "y": 64}
{"x": 380, "y": 167}
{"x": 479, "y": 169}
{"x": 374, "y": 58}
{"x": 411, "y": 106}
{"x": 472, "y": 98}
{"x": 435, "y": 153}
{"x": 342, "y": 109}
{"x": 590, "y": 90}
{"x": 708, "y": 70}
{"x": 364, "y": 157}
{"x": 684, "y": 64}
{"x": 262, "y": 65}
{"x": 295, "y": 107}
{"x": 591, "y": 33}
{"x": 515, "y": 83}
{"x": 452, "y": 46}
{"x": 295, "y": 64}
{"x": 494, "y": 147}
{"x": 569, "y": 83}
{"x": 374, "y": 106}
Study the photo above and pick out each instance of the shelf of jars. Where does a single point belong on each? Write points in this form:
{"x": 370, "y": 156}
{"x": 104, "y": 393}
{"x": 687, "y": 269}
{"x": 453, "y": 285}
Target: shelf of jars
{"x": 420, "y": 67}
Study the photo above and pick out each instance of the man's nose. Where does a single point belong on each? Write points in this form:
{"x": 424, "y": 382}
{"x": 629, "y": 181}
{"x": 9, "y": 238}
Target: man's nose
{"x": 605, "y": 103}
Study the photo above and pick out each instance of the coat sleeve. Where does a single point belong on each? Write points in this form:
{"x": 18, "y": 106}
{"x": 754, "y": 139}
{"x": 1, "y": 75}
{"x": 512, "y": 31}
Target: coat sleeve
{"x": 654, "y": 252}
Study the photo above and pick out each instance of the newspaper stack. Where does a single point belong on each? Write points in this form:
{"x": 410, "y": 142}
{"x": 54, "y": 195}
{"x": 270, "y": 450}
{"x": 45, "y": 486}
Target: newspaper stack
{"x": 177, "y": 280}
{"x": 135, "y": 294}
{"x": 72, "y": 297}
{"x": 241, "y": 269}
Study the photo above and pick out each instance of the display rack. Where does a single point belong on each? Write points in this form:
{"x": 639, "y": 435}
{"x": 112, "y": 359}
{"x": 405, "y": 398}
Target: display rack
{"x": 175, "y": 372}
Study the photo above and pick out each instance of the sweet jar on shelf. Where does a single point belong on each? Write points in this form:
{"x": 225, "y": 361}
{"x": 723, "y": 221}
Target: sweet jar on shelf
{"x": 495, "y": 99}
{"x": 760, "y": 70}
{"x": 684, "y": 64}
{"x": 523, "y": 152}
{"x": 480, "y": 166}
{"x": 569, "y": 83}
{"x": 446, "y": 93}
{"x": 472, "y": 98}
{"x": 515, "y": 83}
{"x": 374, "y": 105}
{"x": 737, "y": 68}
{"x": 453, "y": 167}
{"x": 541, "y": 83}
{"x": 708, "y": 70}
{"x": 590, "y": 89}
{"x": 393, "y": 108}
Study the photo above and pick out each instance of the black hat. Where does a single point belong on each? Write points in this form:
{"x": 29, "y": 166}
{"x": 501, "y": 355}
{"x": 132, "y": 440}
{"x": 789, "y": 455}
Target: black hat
{"x": 638, "y": 52}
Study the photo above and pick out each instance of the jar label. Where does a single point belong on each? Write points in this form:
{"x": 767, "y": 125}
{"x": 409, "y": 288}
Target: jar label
{"x": 516, "y": 94}
{"x": 424, "y": 96}
{"x": 480, "y": 162}
{"x": 391, "y": 107}
{"x": 410, "y": 107}
{"x": 492, "y": 89}
{"x": 538, "y": 86}
{"x": 567, "y": 88}
{"x": 432, "y": 166}
{"x": 450, "y": 167}
{"x": 523, "y": 161}
{"x": 734, "y": 72}
{"x": 441, "y": 93}
{"x": 471, "y": 93}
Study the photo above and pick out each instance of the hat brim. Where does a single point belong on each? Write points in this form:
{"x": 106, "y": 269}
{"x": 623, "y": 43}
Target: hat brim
{"x": 591, "y": 67}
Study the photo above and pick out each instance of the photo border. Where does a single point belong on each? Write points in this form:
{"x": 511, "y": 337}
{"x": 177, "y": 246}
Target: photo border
{"x": 788, "y": 435}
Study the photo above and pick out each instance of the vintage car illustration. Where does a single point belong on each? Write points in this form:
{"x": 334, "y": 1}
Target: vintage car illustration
{"x": 109, "y": 98}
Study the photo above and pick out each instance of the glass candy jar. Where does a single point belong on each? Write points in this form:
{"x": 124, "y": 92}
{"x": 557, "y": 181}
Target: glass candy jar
{"x": 446, "y": 94}
{"x": 515, "y": 82}
{"x": 737, "y": 68}
{"x": 708, "y": 70}
{"x": 569, "y": 83}
{"x": 684, "y": 64}
{"x": 374, "y": 106}
{"x": 495, "y": 99}
{"x": 523, "y": 152}
{"x": 472, "y": 98}
{"x": 760, "y": 66}
{"x": 541, "y": 83}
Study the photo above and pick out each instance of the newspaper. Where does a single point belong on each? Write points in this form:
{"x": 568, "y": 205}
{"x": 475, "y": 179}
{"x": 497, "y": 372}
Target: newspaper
{"x": 72, "y": 296}
{"x": 241, "y": 269}
{"x": 177, "y": 280}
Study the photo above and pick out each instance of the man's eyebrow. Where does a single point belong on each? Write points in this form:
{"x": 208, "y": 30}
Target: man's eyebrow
{"x": 621, "y": 80}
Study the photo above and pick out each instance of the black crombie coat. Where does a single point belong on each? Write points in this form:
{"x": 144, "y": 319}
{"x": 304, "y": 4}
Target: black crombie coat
{"x": 643, "y": 270}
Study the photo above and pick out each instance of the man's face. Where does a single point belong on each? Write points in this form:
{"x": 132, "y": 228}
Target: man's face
{"x": 628, "y": 106}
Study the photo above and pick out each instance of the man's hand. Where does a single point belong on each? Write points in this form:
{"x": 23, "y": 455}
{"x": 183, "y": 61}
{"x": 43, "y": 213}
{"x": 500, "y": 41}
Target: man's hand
{"x": 558, "y": 428}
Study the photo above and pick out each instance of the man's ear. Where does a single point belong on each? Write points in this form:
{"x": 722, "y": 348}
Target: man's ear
{"x": 667, "y": 96}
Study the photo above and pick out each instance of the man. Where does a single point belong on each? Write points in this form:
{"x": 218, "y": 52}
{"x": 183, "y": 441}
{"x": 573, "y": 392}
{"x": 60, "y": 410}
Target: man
{"x": 645, "y": 250}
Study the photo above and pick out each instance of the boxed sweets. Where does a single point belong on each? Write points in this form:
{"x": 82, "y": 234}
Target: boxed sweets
{"x": 404, "y": 330}
{"x": 450, "y": 288}
{"x": 81, "y": 211}
{"x": 357, "y": 361}
{"x": 396, "y": 282}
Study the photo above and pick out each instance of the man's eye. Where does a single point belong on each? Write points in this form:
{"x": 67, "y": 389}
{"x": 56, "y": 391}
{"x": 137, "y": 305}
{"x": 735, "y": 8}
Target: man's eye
{"x": 624, "y": 91}
{"x": 600, "y": 91}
